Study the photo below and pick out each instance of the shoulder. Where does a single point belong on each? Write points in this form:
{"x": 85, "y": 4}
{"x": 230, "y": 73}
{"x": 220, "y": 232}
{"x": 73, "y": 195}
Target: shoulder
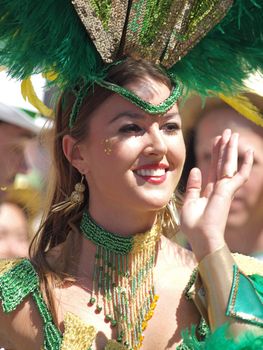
{"x": 174, "y": 254}
{"x": 18, "y": 279}
{"x": 174, "y": 264}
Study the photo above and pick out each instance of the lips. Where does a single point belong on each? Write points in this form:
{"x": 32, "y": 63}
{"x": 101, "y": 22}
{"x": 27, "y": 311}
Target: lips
{"x": 152, "y": 173}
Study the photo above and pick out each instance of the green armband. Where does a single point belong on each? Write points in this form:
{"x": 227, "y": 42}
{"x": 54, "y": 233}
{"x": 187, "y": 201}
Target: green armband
{"x": 246, "y": 298}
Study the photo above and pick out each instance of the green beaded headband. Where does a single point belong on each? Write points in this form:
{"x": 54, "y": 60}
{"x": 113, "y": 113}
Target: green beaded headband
{"x": 130, "y": 96}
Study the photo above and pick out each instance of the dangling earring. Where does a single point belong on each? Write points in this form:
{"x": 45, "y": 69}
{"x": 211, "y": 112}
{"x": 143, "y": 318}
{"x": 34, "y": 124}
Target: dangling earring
{"x": 75, "y": 199}
{"x": 171, "y": 206}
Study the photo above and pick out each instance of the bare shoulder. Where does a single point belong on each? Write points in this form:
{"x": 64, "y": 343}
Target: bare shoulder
{"x": 171, "y": 253}
{"x": 22, "y": 328}
{"x": 174, "y": 266}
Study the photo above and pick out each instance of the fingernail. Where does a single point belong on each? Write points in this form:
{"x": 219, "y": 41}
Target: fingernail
{"x": 250, "y": 151}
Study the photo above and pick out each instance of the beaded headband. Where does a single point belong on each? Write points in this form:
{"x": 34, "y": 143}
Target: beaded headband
{"x": 130, "y": 96}
{"x": 208, "y": 46}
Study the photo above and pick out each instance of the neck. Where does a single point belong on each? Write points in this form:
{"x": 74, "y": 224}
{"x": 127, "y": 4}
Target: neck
{"x": 123, "y": 222}
{"x": 247, "y": 239}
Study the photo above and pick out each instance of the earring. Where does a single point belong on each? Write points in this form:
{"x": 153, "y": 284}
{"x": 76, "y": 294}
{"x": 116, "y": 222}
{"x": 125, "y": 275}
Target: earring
{"x": 77, "y": 196}
{"x": 173, "y": 211}
{"x": 75, "y": 199}
{"x": 107, "y": 146}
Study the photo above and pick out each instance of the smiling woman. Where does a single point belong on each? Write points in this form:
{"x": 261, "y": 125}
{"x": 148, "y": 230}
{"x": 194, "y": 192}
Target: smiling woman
{"x": 101, "y": 274}
{"x": 100, "y": 261}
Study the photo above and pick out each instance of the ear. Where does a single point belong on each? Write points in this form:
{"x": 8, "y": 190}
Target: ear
{"x": 73, "y": 154}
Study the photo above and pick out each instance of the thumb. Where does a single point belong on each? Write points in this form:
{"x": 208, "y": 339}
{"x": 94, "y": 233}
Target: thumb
{"x": 194, "y": 184}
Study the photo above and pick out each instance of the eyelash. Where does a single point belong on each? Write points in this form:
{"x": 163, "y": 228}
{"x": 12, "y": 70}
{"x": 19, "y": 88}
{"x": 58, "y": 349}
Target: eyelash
{"x": 170, "y": 128}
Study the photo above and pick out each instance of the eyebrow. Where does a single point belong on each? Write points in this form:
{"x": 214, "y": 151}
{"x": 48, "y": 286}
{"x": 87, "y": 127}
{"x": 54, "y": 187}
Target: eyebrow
{"x": 141, "y": 116}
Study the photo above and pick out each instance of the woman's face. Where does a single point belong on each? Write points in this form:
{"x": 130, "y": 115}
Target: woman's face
{"x": 133, "y": 160}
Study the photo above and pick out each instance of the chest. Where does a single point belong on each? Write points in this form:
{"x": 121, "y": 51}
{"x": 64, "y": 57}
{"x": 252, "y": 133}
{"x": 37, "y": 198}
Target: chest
{"x": 172, "y": 314}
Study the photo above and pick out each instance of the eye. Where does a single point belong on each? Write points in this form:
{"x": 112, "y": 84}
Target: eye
{"x": 171, "y": 128}
{"x": 130, "y": 128}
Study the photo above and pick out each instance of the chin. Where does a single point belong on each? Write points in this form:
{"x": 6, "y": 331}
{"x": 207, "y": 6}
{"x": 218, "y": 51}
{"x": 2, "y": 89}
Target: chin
{"x": 237, "y": 220}
{"x": 154, "y": 203}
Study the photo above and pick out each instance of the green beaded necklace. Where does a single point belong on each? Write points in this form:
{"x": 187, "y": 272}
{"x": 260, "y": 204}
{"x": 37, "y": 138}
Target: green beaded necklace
{"x": 123, "y": 279}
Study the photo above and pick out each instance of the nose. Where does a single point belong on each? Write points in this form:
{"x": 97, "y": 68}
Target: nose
{"x": 22, "y": 165}
{"x": 156, "y": 144}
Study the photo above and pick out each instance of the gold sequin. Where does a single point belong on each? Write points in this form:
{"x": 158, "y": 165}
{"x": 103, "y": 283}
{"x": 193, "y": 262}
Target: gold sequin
{"x": 114, "y": 345}
{"x": 248, "y": 265}
{"x": 159, "y": 31}
{"x": 107, "y": 41}
{"x": 78, "y": 335}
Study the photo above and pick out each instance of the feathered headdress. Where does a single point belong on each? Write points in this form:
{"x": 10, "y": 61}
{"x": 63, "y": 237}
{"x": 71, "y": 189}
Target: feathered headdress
{"x": 207, "y": 46}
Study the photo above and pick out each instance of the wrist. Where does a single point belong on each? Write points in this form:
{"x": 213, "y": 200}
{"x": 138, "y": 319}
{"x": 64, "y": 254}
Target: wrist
{"x": 203, "y": 248}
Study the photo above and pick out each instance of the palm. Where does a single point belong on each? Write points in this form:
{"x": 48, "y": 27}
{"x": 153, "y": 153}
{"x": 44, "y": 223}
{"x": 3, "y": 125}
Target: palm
{"x": 204, "y": 215}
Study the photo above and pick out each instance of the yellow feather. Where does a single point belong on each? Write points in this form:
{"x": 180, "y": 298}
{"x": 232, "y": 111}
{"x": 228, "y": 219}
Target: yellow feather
{"x": 28, "y": 93}
{"x": 243, "y": 106}
{"x": 50, "y": 75}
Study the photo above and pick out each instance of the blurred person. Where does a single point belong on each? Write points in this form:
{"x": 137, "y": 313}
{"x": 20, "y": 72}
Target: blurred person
{"x": 16, "y": 128}
{"x": 244, "y": 228}
{"x": 17, "y": 220}
{"x": 14, "y": 231}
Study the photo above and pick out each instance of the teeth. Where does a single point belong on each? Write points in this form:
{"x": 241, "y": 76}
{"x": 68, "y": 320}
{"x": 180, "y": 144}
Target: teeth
{"x": 150, "y": 172}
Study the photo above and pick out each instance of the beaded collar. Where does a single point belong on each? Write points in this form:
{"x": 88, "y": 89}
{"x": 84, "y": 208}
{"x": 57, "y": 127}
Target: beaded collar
{"x": 123, "y": 279}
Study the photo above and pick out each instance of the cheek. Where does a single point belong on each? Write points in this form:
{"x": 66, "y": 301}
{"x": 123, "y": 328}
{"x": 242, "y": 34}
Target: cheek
{"x": 253, "y": 189}
{"x": 176, "y": 151}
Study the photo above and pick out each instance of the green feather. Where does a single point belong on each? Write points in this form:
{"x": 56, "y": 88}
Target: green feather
{"x": 219, "y": 340}
{"x": 228, "y": 54}
{"x": 38, "y": 36}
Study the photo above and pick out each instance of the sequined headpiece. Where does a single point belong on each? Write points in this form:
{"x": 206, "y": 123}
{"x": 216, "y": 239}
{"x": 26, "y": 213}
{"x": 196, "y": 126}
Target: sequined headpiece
{"x": 205, "y": 46}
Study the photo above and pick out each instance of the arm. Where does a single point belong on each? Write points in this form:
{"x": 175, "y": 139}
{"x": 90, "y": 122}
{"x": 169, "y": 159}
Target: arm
{"x": 204, "y": 217}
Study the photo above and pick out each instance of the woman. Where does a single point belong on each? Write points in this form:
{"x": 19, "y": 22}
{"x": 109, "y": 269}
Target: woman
{"x": 102, "y": 281}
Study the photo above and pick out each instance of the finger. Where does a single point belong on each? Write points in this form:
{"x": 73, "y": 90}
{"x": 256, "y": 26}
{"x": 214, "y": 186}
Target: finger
{"x": 230, "y": 161}
{"x": 194, "y": 183}
{"x": 222, "y": 152}
{"x": 212, "y": 172}
{"x": 245, "y": 169}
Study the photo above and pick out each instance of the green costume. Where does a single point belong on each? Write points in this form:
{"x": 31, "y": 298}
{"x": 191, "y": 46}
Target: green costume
{"x": 19, "y": 279}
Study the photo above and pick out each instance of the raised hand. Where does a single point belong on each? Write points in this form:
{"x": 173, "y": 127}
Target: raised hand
{"x": 204, "y": 213}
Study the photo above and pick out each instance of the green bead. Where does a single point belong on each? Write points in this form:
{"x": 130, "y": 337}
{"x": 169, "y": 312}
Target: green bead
{"x": 119, "y": 339}
{"x": 109, "y": 241}
{"x": 98, "y": 308}
{"x": 108, "y": 317}
{"x": 113, "y": 323}
{"x": 92, "y": 301}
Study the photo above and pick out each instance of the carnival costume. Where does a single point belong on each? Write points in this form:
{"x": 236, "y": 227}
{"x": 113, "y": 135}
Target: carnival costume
{"x": 203, "y": 46}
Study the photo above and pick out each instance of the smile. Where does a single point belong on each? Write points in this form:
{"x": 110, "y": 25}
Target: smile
{"x": 155, "y": 174}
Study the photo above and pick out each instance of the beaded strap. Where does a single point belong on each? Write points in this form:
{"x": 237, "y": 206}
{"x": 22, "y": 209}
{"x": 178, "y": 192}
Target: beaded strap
{"x": 52, "y": 336}
{"x": 100, "y": 237}
{"x": 16, "y": 284}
